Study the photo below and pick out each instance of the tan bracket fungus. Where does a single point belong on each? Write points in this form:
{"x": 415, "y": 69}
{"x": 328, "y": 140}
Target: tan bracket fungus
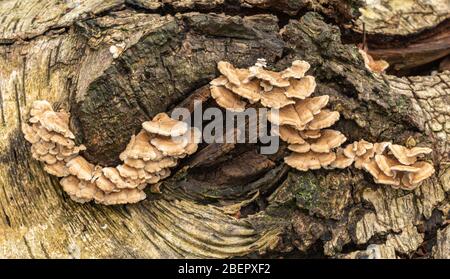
{"x": 376, "y": 66}
{"x": 388, "y": 163}
{"x": 300, "y": 118}
{"x": 146, "y": 159}
{"x": 304, "y": 123}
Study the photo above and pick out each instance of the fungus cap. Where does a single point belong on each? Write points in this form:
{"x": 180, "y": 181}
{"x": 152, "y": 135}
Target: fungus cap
{"x": 425, "y": 170}
{"x": 325, "y": 118}
{"x": 275, "y": 98}
{"x": 139, "y": 147}
{"x": 123, "y": 197}
{"x": 341, "y": 161}
{"x": 42, "y": 132}
{"x": 170, "y": 146}
{"x": 156, "y": 166}
{"x": 61, "y": 140}
{"x": 104, "y": 184}
{"x": 300, "y": 148}
{"x": 301, "y": 88}
{"x": 83, "y": 191}
{"x": 48, "y": 159}
{"x": 126, "y": 171}
{"x": 193, "y": 137}
{"x": 310, "y": 134}
{"x": 58, "y": 169}
{"x": 30, "y": 135}
{"x": 418, "y": 151}
{"x": 361, "y": 147}
{"x": 364, "y": 158}
{"x": 266, "y": 86}
{"x": 403, "y": 168}
{"x": 328, "y": 140}
{"x": 273, "y": 78}
{"x": 70, "y": 184}
{"x": 135, "y": 163}
{"x": 289, "y": 135}
{"x": 296, "y": 71}
{"x": 378, "y": 175}
{"x": 357, "y": 148}
{"x": 39, "y": 107}
{"x": 285, "y": 116}
{"x": 80, "y": 168}
{"x": 41, "y": 147}
{"x": 66, "y": 152}
{"x": 120, "y": 182}
{"x": 227, "y": 99}
{"x": 308, "y": 108}
{"x": 309, "y": 160}
{"x": 163, "y": 125}
{"x": 379, "y": 147}
{"x": 250, "y": 91}
{"x": 376, "y": 66}
{"x": 407, "y": 156}
{"x": 235, "y": 76}
{"x": 219, "y": 81}
{"x": 385, "y": 164}
{"x": 56, "y": 122}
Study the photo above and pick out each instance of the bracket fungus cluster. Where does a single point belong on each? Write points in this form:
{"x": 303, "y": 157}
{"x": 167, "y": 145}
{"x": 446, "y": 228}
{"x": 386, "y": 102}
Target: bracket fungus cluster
{"x": 146, "y": 159}
{"x": 388, "y": 163}
{"x": 303, "y": 122}
{"x": 52, "y": 141}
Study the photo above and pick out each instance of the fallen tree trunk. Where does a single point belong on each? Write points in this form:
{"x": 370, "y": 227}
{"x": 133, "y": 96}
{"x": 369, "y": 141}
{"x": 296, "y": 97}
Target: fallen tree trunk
{"x": 114, "y": 64}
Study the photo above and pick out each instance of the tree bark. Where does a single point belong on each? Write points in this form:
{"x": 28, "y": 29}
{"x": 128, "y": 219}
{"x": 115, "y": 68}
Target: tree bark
{"x": 114, "y": 64}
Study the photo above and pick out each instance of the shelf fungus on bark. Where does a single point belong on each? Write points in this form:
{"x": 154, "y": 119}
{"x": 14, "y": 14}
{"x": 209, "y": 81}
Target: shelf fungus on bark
{"x": 143, "y": 162}
{"x": 226, "y": 98}
{"x": 376, "y": 66}
{"x": 52, "y": 143}
{"x": 310, "y": 160}
{"x": 388, "y": 163}
{"x": 276, "y": 98}
{"x": 303, "y": 122}
{"x": 257, "y": 84}
{"x": 163, "y": 125}
{"x": 300, "y": 117}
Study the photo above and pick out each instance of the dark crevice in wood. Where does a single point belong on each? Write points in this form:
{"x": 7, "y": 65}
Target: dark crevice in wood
{"x": 17, "y": 102}
{"x": 429, "y": 228}
{"x": 24, "y": 65}
{"x": 415, "y": 54}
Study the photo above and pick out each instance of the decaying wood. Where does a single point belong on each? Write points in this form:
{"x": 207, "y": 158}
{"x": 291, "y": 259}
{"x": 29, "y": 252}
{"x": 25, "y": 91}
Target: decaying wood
{"x": 420, "y": 51}
{"x": 407, "y": 34}
{"x": 114, "y": 64}
{"x": 440, "y": 251}
{"x": 392, "y": 17}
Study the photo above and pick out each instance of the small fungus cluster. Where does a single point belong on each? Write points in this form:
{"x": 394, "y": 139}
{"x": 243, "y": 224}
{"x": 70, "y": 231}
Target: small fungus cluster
{"x": 303, "y": 122}
{"x": 376, "y": 66}
{"x": 146, "y": 159}
{"x": 388, "y": 163}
